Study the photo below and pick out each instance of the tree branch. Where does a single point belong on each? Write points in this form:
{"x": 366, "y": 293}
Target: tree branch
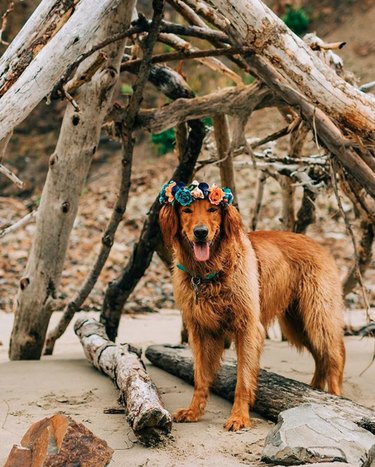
{"x": 126, "y": 130}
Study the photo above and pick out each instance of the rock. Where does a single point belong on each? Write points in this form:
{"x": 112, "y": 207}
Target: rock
{"x": 57, "y": 441}
{"x": 314, "y": 433}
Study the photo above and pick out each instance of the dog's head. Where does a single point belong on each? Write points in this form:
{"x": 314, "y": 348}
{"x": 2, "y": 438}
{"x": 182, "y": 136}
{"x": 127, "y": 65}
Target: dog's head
{"x": 200, "y": 226}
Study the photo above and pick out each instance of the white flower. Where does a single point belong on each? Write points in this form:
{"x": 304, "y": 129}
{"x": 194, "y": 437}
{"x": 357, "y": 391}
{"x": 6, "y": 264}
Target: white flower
{"x": 197, "y": 193}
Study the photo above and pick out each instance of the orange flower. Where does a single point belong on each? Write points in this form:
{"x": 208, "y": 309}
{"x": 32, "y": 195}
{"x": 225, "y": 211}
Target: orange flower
{"x": 216, "y": 195}
{"x": 168, "y": 192}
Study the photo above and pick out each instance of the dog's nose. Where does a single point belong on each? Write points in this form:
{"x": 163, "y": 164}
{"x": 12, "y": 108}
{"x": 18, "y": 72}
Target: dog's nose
{"x": 200, "y": 232}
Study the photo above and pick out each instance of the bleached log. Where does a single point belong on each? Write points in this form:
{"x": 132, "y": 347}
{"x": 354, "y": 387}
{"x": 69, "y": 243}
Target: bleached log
{"x": 47, "y": 67}
{"x": 275, "y": 393}
{"x": 68, "y": 168}
{"x": 146, "y": 415}
{"x": 229, "y": 101}
{"x": 47, "y": 19}
{"x": 252, "y": 23}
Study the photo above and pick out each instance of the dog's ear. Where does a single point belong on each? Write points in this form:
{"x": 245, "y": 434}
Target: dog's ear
{"x": 232, "y": 222}
{"x": 168, "y": 222}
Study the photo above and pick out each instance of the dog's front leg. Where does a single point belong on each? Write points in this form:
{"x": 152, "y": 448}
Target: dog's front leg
{"x": 249, "y": 343}
{"x": 207, "y": 352}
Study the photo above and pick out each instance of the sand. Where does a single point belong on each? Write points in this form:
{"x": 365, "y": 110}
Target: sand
{"x": 31, "y": 390}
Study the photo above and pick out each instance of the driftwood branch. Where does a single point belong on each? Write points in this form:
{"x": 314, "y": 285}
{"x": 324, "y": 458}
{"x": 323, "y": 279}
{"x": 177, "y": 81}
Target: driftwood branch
{"x": 146, "y": 414}
{"x": 68, "y": 168}
{"x": 231, "y": 101}
{"x": 258, "y": 201}
{"x": 126, "y": 131}
{"x": 275, "y": 393}
{"x": 213, "y": 63}
{"x": 51, "y": 62}
{"x": 254, "y": 24}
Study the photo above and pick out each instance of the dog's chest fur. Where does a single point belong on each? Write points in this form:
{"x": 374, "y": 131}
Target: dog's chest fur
{"x": 212, "y": 310}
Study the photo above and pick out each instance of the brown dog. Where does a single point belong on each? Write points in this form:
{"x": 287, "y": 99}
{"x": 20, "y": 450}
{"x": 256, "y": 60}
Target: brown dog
{"x": 229, "y": 283}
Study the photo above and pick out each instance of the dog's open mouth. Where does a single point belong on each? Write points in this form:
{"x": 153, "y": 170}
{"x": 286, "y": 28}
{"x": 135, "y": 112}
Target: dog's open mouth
{"x": 201, "y": 251}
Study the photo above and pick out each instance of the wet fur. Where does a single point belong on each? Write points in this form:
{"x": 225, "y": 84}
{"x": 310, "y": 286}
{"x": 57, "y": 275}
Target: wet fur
{"x": 263, "y": 276}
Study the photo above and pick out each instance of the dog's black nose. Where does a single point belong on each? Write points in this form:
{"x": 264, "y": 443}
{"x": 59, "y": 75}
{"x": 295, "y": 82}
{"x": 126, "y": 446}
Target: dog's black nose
{"x": 200, "y": 232}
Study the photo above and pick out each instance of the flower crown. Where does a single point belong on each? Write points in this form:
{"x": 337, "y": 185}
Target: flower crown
{"x": 173, "y": 192}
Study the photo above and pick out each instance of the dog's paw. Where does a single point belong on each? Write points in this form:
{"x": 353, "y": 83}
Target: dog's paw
{"x": 236, "y": 422}
{"x": 186, "y": 415}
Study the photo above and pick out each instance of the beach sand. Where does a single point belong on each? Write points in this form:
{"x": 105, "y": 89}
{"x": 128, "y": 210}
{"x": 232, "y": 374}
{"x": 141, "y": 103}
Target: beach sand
{"x": 66, "y": 382}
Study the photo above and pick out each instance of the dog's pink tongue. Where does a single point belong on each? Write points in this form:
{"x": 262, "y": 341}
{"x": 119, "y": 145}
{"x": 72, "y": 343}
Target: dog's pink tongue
{"x": 202, "y": 251}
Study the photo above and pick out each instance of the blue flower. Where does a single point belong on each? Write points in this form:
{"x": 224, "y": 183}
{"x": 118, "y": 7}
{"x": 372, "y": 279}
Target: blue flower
{"x": 204, "y": 187}
{"x": 177, "y": 187}
{"x": 228, "y": 196}
{"x": 183, "y": 196}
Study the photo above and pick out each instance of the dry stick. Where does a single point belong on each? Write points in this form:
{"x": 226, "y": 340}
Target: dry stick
{"x": 364, "y": 254}
{"x": 214, "y": 64}
{"x": 4, "y": 21}
{"x": 126, "y": 131}
{"x": 188, "y": 54}
{"x": 146, "y": 415}
{"x": 20, "y": 223}
{"x": 9, "y": 174}
{"x": 296, "y": 142}
{"x": 224, "y": 153}
{"x": 349, "y": 229}
{"x": 258, "y": 200}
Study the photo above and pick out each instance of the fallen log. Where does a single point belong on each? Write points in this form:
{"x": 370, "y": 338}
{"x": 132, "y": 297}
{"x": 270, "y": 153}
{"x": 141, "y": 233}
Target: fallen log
{"x": 275, "y": 393}
{"x": 150, "y": 421}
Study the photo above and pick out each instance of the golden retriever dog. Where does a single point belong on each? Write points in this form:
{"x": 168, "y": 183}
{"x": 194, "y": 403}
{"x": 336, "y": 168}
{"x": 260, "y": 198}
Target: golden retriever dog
{"x": 229, "y": 283}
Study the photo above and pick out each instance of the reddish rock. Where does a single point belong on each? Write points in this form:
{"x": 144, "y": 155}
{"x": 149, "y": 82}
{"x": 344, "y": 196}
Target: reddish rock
{"x": 57, "y": 441}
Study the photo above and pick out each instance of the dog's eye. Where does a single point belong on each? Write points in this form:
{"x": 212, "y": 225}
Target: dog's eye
{"x": 187, "y": 210}
{"x": 211, "y": 209}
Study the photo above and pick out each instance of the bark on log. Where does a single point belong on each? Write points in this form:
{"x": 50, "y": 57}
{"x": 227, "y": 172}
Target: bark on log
{"x": 275, "y": 393}
{"x": 47, "y": 67}
{"x": 146, "y": 415}
{"x": 252, "y": 23}
{"x": 69, "y": 165}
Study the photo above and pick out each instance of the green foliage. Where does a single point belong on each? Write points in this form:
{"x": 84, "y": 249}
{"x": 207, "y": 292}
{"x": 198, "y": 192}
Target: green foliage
{"x": 164, "y": 142}
{"x": 249, "y": 79}
{"x": 126, "y": 90}
{"x": 208, "y": 123}
{"x": 297, "y": 20}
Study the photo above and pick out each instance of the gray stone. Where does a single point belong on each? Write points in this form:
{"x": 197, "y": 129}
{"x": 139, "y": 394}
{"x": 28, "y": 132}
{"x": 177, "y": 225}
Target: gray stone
{"x": 314, "y": 433}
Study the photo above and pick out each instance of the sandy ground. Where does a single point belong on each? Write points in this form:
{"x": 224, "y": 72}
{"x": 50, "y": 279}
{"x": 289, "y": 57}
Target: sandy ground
{"x": 31, "y": 390}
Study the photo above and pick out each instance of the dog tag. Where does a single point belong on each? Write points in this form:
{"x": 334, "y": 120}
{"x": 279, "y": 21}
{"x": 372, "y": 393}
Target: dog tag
{"x": 195, "y": 282}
